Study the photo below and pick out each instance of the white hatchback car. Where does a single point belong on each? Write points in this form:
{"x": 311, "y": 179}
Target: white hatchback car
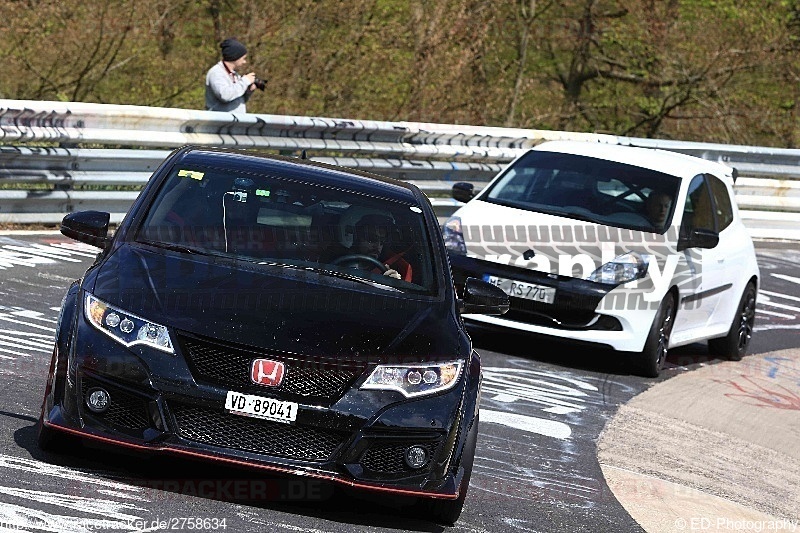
{"x": 634, "y": 249}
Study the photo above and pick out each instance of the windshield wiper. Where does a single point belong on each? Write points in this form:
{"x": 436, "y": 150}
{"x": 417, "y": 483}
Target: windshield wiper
{"x": 173, "y": 247}
{"x": 333, "y": 274}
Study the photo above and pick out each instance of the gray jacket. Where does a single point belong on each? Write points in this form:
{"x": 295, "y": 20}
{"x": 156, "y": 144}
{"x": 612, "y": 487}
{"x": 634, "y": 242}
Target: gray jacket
{"x": 225, "y": 92}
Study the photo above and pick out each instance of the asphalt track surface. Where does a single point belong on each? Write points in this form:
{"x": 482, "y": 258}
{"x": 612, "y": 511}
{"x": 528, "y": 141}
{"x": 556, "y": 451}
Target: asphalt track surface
{"x": 544, "y": 409}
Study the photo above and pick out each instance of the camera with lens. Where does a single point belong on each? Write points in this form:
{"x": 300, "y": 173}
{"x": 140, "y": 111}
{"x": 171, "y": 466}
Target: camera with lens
{"x": 259, "y": 83}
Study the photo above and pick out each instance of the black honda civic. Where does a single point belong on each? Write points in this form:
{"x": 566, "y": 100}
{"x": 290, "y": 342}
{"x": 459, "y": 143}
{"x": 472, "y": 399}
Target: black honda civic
{"x": 274, "y": 313}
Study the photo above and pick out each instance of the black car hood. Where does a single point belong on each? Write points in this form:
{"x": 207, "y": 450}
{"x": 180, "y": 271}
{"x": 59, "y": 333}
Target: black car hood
{"x": 279, "y": 309}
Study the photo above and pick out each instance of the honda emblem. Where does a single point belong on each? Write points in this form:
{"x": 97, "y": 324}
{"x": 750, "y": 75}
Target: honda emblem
{"x": 266, "y": 372}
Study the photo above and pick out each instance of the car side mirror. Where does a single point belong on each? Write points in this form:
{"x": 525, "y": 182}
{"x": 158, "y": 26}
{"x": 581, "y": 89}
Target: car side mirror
{"x": 699, "y": 238}
{"x": 483, "y": 298}
{"x": 463, "y": 191}
{"x": 90, "y": 227}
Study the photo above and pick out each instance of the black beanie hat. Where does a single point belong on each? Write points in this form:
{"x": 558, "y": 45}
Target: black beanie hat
{"x": 232, "y": 49}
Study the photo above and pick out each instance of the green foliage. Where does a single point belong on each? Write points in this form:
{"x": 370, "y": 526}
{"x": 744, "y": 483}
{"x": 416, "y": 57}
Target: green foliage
{"x": 707, "y": 70}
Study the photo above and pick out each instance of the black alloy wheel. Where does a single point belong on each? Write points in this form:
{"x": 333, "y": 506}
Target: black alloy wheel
{"x": 734, "y": 345}
{"x": 650, "y": 360}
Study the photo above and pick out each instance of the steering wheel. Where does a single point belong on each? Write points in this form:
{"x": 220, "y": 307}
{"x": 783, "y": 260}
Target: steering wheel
{"x": 354, "y": 259}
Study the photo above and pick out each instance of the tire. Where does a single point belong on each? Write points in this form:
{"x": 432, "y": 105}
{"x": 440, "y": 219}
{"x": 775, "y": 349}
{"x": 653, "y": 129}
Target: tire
{"x": 733, "y": 346}
{"x": 446, "y": 512}
{"x": 650, "y": 360}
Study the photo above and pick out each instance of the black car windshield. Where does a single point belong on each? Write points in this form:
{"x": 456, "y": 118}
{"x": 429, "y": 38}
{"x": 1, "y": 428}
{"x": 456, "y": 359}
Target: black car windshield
{"x": 286, "y": 222}
{"x": 588, "y": 189}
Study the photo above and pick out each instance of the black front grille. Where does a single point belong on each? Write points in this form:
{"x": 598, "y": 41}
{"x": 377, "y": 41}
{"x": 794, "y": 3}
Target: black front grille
{"x": 550, "y": 316}
{"x": 575, "y": 300}
{"x": 125, "y": 409}
{"x": 570, "y": 306}
{"x": 303, "y": 380}
{"x": 219, "y": 428}
{"x": 390, "y": 458}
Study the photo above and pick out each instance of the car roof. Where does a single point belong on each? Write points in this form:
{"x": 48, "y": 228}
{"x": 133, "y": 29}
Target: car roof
{"x": 303, "y": 169}
{"x": 673, "y": 163}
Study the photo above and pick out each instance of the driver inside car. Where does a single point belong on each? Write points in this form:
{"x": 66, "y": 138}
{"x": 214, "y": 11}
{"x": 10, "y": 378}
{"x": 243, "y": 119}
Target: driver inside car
{"x": 657, "y": 206}
{"x": 370, "y": 237}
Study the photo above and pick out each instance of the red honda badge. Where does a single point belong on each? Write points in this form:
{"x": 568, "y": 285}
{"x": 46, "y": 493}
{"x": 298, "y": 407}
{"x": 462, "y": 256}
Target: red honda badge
{"x": 266, "y": 372}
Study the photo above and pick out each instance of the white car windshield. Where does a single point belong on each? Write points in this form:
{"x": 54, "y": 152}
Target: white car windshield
{"x": 587, "y": 189}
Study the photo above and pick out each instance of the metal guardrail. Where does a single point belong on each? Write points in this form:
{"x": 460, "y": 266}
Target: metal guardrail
{"x": 44, "y": 183}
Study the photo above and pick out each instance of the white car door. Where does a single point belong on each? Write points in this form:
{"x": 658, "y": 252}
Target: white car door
{"x": 705, "y": 279}
{"x": 732, "y": 255}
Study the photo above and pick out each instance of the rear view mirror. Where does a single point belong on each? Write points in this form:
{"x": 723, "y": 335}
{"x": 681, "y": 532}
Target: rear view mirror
{"x": 90, "y": 227}
{"x": 463, "y": 191}
{"x": 483, "y": 298}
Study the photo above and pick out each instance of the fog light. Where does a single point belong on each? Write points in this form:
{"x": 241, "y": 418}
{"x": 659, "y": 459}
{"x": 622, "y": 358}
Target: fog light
{"x": 416, "y": 456}
{"x": 97, "y": 400}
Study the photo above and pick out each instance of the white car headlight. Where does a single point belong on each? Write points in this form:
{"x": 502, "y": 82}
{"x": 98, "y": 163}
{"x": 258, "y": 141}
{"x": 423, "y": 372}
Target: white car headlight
{"x": 622, "y": 269}
{"x": 124, "y": 327}
{"x": 453, "y": 236}
{"x": 415, "y": 380}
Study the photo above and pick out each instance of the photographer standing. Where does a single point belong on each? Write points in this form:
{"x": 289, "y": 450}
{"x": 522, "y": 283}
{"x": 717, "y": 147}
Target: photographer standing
{"x": 226, "y": 89}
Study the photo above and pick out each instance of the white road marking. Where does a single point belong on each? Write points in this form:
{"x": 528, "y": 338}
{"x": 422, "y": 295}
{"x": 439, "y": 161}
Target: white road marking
{"x": 552, "y": 392}
{"x": 33, "y": 466}
{"x": 773, "y": 313}
{"x": 12, "y": 341}
{"x": 88, "y": 513}
{"x": 43, "y": 252}
{"x": 14, "y": 255}
{"x": 779, "y": 295}
{"x": 531, "y": 424}
{"x": 18, "y": 345}
{"x": 766, "y": 327}
{"x": 784, "y": 277}
{"x": 113, "y": 514}
{"x": 7, "y": 317}
{"x": 77, "y": 248}
{"x": 780, "y": 306}
{"x": 10, "y": 258}
{"x": 34, "y": 315}
{"x": 43, "y": 336}
{"x": 558, "y": 394}
{"x": 30, "y": 342}
{"x": 55, "y": 277}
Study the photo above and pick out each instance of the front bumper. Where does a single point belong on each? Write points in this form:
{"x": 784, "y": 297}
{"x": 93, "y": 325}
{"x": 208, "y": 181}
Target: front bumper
{"x": 583, "y": 311}
{"x": 163, "y": 403}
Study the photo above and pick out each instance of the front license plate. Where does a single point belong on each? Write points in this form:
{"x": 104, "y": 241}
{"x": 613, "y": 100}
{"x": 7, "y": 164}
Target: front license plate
{"x": 260, "y": 407}
{"x": 521, "y": 289}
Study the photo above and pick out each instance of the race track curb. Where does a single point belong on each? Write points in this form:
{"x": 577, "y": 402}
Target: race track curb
{"x": 713, "y": 449}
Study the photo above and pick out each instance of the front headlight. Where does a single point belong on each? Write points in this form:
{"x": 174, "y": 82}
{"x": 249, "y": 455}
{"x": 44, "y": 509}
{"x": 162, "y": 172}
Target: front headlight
{"x": 124, "y": 327}
{"x": 453, "y": 236}
{"x": 622, "y": 269}
{"x": 415, "y": 380}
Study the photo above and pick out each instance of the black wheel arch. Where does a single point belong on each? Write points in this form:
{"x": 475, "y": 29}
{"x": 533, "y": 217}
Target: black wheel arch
{"x": 64, "y": 339}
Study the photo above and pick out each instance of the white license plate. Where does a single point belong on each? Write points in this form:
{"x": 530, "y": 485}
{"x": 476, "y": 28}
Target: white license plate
{"x": 260, "y": 407}
{"x": 521, "y": 289}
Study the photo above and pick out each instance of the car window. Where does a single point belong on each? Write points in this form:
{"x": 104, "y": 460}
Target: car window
{"x": 722, "y": 203}
{"x": 584, "y": 188}
{"x": 269, "y": 220}
{"x": 697, "y": 211}
{"x": 517, "y": 183}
